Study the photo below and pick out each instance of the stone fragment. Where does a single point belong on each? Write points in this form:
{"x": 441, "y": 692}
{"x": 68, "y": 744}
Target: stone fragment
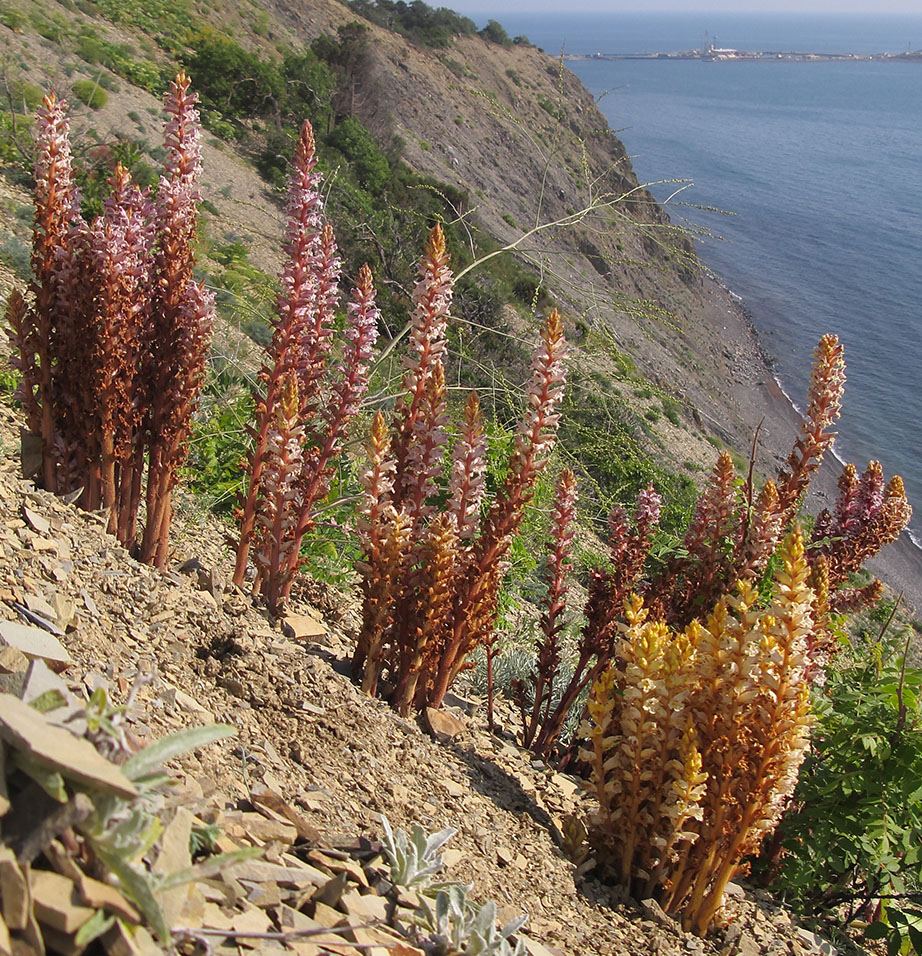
{"x": 260, "y": 829}
{"x": 257, "y": 871}
{"x": 368, "y": 908}
{"x": 103, "y": 896}
{"x": 454, "y": 788}
{"x": 254, "y": 920}
{"x": 14, "y": 891}
{"x": 34, "y": 642}
{"x": 268, "y": 802}
{"x": 38, "y": 523}
{"x": 57, "y": 903}
{"x": 38, "y": 605}
{"x": 567, "y": 785}
{"x": 452, "y": 857}
{"x": 534, "y": 948}
{"x": 125, "y": 940}
{"x": 654, "y": 912}
{"x": 442, "y": 725}
{"x": 65, "y": 610}
{"x": 303, "y": 627}
{"x": 75, "y": 758}
{"x": 350, "y": 867}
{"x": 13, "y": 661}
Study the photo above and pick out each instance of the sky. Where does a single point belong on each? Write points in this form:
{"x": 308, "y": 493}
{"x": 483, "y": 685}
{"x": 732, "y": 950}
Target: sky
{"x": 483, "y": 9}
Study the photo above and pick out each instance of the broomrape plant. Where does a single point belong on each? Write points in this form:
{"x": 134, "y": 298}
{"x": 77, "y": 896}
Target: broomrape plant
{"x": 696, "y": 737}
{"x": 303, "y": 408}
{"x": 432, "y": 567}
{"x": 113, "y": 348}
{"x": 732, "y": 536}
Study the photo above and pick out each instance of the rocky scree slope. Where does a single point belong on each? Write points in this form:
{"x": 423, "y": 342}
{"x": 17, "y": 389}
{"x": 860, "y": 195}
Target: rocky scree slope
{"x": 306, "y": 734}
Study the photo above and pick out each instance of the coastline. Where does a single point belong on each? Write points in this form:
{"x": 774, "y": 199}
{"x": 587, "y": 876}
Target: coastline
{"x": 758, "y": 398}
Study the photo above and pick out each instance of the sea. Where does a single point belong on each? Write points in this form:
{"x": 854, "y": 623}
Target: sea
{"x": 804, "y": 183}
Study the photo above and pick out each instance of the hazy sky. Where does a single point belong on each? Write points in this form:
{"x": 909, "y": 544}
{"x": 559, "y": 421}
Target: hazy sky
{"x": 482, "y": 9}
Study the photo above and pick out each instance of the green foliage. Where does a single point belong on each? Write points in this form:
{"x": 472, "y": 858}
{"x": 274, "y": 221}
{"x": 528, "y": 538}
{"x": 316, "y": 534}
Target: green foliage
{"x": 493, "y": 32}
{"x": 12, "y": 18}
{"x": 415, "y": 20}
{"x": 368, "y": 162}
{"x": 167, "y": 20}
{"x": 855, "y": 839}
{"x": 414, "y": 859}
{"x": 454, "y": 923}
{"x": 90, "y": 93}
{"x": 230, "y": 79}
{"x": 120, "y": 59}
{"x": 217, "y": 452}
{"x": 604, "y": 436}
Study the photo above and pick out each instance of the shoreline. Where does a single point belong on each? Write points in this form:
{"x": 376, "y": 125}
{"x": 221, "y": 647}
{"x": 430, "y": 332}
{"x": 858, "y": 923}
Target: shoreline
{"x": 759, "y": 398}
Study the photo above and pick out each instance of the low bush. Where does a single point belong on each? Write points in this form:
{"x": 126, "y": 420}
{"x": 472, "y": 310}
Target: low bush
{"x": 90, "y": 93}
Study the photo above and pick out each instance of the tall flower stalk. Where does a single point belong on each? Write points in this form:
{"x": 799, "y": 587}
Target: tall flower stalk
{"x": 431, "y": 580}
{"x": 301, "y": 400}
{"x": 114, "y": 346}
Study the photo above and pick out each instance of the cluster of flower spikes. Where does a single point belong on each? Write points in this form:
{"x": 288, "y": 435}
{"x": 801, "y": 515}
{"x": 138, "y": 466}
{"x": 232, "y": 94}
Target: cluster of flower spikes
{"x": 732, "y": 535}
{"x": 695, "y": 738}
{"x": 431, "y": 577}
{"x": 303, "y": 407}
{"x": 113, "y": 349}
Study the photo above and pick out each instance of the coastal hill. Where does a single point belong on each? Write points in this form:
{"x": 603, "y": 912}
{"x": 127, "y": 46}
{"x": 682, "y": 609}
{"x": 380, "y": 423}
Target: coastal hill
{"x": 503, "y": 144}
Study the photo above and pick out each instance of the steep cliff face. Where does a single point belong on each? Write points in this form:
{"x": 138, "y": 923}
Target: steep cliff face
{"x": 534, "y": 163}
{"x": 519, "y": 135}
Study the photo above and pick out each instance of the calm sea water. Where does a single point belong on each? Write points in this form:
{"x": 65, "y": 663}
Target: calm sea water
{"x": 819, "y": 169}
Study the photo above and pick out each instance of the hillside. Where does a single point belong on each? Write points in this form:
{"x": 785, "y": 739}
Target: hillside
{"x": 503, "y": 146}
{"x": 199, "y": 651}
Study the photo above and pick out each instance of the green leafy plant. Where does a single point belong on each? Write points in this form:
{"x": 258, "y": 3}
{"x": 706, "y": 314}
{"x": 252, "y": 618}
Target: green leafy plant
{"x": 852, "y": 846}
{"x": 414, "y": 859}
{"x": 90, "y": 93}
{"x": 454, "y": 923}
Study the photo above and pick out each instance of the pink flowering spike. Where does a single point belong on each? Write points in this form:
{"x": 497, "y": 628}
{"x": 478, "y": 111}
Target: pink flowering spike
{"x": 56, "y": 200}
{"x": 295, "y": 306}
{"x": 824, "y": 402}
{"x": 538, "y": 428}
{"x": 319, "y": 332}
{"x": 183, "y": 315}
{"x": 281, "y": 499}
{"x": 534, "y": 440}
{"x": 468, "y": 471}
{"x": 647, "y": 513}
{"x": 559, "y": 565}
{"x": 432, "y": 299}
{"x": 847, "y": 502}
{"x": 870, "y": 495}
{"x": 424, "y": 458}
{"x": 183, "y": 164}
{"x": 121, "y": 241}
{"x": 361, "y": 334}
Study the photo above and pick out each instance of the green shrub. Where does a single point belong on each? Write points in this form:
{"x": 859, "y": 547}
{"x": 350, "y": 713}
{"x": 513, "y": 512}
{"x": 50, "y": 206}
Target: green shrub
{"x": 854, "y": 845}
{"x": 368, "y": 161}
{"x": 12, "y": 18}
{"x": 493, "y": 32}
{"x": 90, "y": 94}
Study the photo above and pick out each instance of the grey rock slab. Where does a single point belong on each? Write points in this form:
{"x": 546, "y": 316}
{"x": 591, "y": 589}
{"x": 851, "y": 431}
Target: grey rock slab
{"x": 73, "y": 757}
{"x": 34, "y": 642}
